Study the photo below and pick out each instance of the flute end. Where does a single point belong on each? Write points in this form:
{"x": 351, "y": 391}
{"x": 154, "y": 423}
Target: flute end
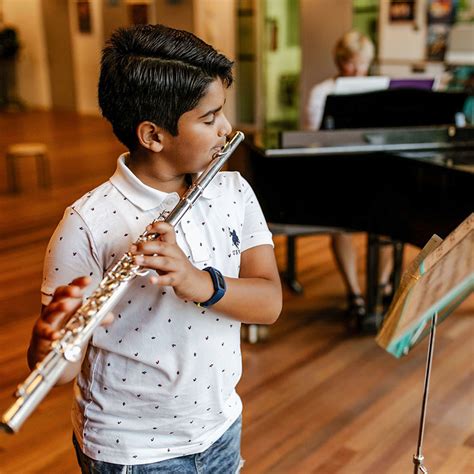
{"x": 6, "y": 428}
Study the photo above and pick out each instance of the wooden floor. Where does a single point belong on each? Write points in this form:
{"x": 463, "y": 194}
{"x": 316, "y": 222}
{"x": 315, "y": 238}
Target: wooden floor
{"x": 315, "y": 399}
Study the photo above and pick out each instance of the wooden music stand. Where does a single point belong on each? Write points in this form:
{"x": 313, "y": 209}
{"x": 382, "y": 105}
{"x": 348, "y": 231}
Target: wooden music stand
{"x": 435, "y": 283}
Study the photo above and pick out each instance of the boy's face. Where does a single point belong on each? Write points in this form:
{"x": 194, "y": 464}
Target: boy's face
{"x": 201, "y": 132}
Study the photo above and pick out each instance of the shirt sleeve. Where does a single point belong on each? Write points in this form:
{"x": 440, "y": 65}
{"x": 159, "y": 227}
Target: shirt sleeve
{"x": 70, "y": 254}
{"x": 255, "y": 229}
{"x": 316, "y": 104}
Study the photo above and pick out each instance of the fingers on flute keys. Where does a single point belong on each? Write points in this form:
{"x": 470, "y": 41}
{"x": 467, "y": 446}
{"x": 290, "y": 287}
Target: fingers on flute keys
{"x": 66, "y": 300}
{"x": 162, "y": 254}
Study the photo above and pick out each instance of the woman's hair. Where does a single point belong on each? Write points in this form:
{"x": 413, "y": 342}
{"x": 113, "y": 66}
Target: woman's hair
{"x": 351, "y": 44}
{"x": 155, "y": 73}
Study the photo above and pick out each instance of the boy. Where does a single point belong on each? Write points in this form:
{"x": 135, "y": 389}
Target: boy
{"x": 156, "y": 389}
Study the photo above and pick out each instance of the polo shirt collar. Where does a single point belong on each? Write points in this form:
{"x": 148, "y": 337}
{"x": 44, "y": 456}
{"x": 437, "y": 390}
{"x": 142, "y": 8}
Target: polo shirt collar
{"x": 145, "y": 197}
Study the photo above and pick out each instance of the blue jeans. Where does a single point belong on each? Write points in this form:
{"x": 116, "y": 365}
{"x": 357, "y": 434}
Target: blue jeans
{"x": 222, "y": 457}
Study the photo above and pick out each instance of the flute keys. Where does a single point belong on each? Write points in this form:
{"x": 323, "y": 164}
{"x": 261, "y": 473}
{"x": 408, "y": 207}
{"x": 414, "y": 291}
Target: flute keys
{"x": 73, "y": 353}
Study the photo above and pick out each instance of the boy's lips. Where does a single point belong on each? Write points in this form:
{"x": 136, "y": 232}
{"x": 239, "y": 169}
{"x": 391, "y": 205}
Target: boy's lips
{"x": 218, "y": 148}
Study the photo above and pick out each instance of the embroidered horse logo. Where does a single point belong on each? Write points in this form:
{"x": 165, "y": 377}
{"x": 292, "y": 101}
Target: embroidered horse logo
{"x": 235, "y": 238}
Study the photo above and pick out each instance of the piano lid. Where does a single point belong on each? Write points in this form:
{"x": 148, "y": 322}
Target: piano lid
{"x": 413, "y": 142}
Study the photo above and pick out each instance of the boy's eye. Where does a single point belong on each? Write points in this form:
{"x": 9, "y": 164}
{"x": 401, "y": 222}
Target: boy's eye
{"x": 211, "y": 120}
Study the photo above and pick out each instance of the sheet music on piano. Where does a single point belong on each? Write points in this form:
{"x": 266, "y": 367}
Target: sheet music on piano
{"x": 359, "y": 84}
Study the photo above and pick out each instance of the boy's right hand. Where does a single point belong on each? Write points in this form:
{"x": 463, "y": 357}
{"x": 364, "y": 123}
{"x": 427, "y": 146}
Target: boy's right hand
{"x": 66, "y": 300}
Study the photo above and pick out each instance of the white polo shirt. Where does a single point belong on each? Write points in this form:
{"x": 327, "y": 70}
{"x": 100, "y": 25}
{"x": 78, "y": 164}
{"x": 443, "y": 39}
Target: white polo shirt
{"x": 160, "y": 381}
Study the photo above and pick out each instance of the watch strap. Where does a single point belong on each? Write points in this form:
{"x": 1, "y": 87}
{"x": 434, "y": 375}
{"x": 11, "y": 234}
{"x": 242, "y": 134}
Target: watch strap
{"x": 219, "y": 287}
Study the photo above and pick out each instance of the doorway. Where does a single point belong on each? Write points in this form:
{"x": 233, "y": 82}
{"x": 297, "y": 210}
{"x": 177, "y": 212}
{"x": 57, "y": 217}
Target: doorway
{"x": 59, "y": 54}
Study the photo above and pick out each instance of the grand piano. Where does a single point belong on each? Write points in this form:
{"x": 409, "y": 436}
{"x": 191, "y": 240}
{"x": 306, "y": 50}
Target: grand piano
{"x": 407, "y": 183}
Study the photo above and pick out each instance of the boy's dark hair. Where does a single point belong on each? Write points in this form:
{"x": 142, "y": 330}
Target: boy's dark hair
{"x": 155, "y": 73}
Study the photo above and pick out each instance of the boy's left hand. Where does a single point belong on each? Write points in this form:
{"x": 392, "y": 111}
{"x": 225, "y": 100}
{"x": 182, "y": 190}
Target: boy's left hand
{"x": 173, "y": 267}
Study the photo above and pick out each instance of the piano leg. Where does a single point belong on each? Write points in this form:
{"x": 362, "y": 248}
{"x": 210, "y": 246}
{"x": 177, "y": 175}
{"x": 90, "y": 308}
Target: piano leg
{"x": 372, "y": 275}
{"x": 397, "y": 264}
{"x": 290, "y": 274}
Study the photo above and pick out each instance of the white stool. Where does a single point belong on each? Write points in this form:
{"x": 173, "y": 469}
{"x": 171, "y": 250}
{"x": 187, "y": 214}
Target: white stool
{"x": 33, "y": 150}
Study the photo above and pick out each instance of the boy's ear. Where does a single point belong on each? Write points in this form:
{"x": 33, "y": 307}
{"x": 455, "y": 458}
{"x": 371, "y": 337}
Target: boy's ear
{"x": 150, "y": 136}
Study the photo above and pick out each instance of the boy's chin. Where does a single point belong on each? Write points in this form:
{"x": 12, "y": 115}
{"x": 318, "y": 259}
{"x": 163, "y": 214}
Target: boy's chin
{"x": 205, "y": 162}
{"x": 202, "y": 163}
{"x": 197, "y": 171}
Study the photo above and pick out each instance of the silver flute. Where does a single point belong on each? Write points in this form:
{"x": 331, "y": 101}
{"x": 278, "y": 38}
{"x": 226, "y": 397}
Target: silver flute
{"x": 77, "y": 331}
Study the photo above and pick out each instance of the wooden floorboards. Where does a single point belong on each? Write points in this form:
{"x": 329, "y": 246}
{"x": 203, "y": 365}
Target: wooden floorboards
{"x": 316, "y": 400}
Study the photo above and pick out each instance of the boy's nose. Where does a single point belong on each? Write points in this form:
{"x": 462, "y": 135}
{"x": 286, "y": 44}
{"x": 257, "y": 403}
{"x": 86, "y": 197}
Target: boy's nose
{"x": 225, "y": 128}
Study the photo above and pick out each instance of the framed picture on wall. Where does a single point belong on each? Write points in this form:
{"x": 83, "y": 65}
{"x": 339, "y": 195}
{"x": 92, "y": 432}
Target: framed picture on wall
{"x": 441, "y": 11}
{"x": 441, "y": 15}
{"x": 437, "y": 41}
{"x": 84, "y": 17}
{"x": 402, "y": 10}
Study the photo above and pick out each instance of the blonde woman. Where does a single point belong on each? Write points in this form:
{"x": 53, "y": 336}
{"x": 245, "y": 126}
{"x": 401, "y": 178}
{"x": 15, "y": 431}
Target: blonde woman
{"x": 353, "y": 55}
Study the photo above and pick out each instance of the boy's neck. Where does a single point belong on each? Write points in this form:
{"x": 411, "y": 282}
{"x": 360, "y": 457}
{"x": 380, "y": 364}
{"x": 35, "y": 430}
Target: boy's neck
{"x": 149, "y": 172}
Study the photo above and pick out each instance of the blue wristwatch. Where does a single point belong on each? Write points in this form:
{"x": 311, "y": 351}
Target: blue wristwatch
{"x": 219, "y": 287}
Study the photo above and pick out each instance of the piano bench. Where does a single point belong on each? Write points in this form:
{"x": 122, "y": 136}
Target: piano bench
{"x": 292, "y": 231}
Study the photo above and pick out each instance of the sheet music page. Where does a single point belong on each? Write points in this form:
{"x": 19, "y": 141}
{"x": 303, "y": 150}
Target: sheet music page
{"x": 438, "y": 279}
{"x": 451, "y": 240}
{"x": 449, "y": 273}
{"x": 408, "y": 280}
